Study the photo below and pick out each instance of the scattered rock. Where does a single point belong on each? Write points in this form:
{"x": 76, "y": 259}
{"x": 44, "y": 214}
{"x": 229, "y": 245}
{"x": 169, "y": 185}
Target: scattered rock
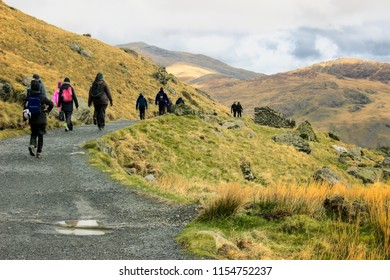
{"x": 338, "y": 208}
{"x": 292, "y": 139}
{"x": 6, "y": 91}
{"x": 233, "y": 125}
{"x": 247, "y": 171}
{"x": 326, "y": 175}
{"x": 366, "y": 174}
{"x": 150, "y": 178}
{"x": 334, "y": 135}
{"x": 105, "y": 148}
{"x": 306, "y": 132}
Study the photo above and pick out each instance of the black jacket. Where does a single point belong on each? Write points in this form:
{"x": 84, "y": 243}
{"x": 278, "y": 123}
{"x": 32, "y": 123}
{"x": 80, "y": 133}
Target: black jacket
{"x": 103, "y": 98}
{"x": 141, "y": 102}
{"x": 46, "y": 107}
{"x": 67, "y": 106}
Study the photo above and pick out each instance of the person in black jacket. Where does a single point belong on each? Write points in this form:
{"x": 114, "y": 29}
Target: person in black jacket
{"x": 37, "y": 120}
{"x": 141, "y": 105}
{"x": 162, "y": 101}
{"x": 233, "y": 109}
{"x": 65, "y": 102}
{"x": 99, "y": 94}
{"x": 239, "y": 109}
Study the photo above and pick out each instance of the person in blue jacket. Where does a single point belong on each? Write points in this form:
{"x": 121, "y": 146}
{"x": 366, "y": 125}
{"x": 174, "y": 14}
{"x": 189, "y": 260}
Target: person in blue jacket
{"x": 141, "y": 105}
{"x": 162, "y": 101}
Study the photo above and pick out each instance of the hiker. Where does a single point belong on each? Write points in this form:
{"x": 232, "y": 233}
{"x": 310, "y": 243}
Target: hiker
{"x": 234, "y": 109}
{"x": 179, "y": 101}
{"x": 141, "y": 105}
{"x": 239, "y": 110}
{"x": 99, "y": 94}
{"x": 37, "y": 106}
{"x": 162, "y": 101}
{"x": 42, "y": 89}
{"x": 61, "y": 114}
{"x": 66, "y": 97}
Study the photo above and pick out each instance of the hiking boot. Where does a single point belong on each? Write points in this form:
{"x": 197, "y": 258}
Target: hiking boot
{"x": 39, "y": 155}
{"x": 101, "y": 128}
{"x": 66, "y": 127}
{"x": 31, "y": 149}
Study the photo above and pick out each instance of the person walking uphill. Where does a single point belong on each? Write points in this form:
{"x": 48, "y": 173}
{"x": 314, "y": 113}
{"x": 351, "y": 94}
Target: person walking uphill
{"x": 162, "y": 101}
{"x": 99, "y": 95}
{"x": 37, "y": 106}
{"x": 141, "y": 105}
{"x": 66, "y": 97}
{"x": 239, "y": 109}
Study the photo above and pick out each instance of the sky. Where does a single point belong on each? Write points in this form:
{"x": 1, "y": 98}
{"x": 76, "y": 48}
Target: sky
{"x": 262, "y": 36}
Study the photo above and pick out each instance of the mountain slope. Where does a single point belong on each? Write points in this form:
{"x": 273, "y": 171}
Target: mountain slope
{"x": 347, "y": 95}
{"x": 29, "y": 45}
{"x": 189, "y": 67}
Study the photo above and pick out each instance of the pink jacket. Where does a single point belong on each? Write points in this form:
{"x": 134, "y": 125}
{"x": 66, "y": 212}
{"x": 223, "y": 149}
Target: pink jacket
{"x": 55, "y": 97}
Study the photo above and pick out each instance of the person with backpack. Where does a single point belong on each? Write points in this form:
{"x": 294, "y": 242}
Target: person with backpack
{"x": 61, "y": 115}
{"x": 141, "y": 105}
{"x": 66, "y": 97}
{"x": 239, "y": 110}
{"x": 162, "y": 101}
{"x": 42, "y": 89}
{"x": 233, "y": 109}
{"x": 99, "y": 95}
{"x": 36, "y": 108}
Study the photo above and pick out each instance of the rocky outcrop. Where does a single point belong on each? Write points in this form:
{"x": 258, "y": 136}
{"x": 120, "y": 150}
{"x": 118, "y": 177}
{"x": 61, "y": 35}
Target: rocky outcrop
{"x": 247, "y": 171}
{"x": 293, "y": 139}
{"x": 367, "y": 174}
{"x": 325, "y": 175}
{"x": 306, "y": 132}
{"x": 6, "y": 91}
{"x": 269, "y": 117}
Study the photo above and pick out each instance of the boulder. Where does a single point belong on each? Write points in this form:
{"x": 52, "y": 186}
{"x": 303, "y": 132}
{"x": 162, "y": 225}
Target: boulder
{"x": 366, "y": 174}
{"x": 327, "y": 176}
{"x": 6, "y": 91}
{"x": 334, "y": 135}
{"x": 292, "y": 139}
{"x": 306, "y": 132}
{"x": 233, "y": 125}
{"x": 247, "y": 171}
{"x": 338, "y": 208}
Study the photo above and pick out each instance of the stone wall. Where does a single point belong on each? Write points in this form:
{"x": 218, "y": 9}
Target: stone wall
{"x": 269, "y": 117}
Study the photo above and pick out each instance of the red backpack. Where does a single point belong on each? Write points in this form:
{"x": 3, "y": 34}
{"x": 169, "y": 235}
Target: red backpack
{"x": 67, "y": 95}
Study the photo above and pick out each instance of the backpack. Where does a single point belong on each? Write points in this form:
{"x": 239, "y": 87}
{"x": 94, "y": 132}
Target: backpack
{"x": 97, "y": 90}
{"x": 67, "y": 95}
{"x": 34, "y": 104}
{"x": 142, "y": 102}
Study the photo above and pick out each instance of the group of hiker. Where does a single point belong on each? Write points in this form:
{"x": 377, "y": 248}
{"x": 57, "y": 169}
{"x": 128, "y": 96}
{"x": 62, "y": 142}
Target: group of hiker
{"x": 38, "y": 106}
{"x": 236, "y": 109}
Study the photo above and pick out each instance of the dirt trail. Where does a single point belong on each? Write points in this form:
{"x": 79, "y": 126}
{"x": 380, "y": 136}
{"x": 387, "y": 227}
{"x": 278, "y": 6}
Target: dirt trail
{"x": 37, "y": 194}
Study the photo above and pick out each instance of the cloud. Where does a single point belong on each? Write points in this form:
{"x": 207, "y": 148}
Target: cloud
{"x": 262, "y": 36}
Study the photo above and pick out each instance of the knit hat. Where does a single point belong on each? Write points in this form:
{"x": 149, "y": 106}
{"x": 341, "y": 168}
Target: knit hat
{"x": 36, "y": 76}
{"x": 66, "y": 80}
{"x": 59, "y": 84}
{"x": 99, "y": 76}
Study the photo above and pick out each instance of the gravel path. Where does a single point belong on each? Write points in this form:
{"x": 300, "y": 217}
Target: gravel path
{"x": 37, "y": 194}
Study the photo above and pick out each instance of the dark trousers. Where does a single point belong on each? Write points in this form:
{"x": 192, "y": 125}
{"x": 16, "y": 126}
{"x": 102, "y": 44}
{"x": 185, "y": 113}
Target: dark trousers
{"x": 37, "y": 132}
{"x": 239, "y": 114}
{"x": 161, "y": 109}
{"x": 142, "y": 112}
{"x": 101, "y": 115}
{"x": 234, "y": 113}
{"x": 68, "y": 119}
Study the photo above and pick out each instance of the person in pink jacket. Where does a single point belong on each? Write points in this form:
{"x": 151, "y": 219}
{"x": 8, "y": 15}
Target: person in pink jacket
{"x": 55, "y": 95}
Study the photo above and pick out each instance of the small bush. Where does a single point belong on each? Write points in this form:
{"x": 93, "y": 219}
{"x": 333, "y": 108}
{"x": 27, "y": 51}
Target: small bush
{"x": 226, "y": 205}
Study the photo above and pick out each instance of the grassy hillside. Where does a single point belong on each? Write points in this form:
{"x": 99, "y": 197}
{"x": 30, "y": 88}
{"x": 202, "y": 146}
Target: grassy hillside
{"x": 29, "y": 45}
{"x": 279, "y": 215}
{"x": 347, "y": 95}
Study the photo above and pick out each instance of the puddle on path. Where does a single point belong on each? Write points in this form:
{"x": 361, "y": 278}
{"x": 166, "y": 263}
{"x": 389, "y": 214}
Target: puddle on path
{"x": 82, "y": 227}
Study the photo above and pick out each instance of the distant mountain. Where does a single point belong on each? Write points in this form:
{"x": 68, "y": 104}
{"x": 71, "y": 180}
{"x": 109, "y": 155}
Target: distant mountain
{"x": 350, "y": 96}
{"x": 190, "y": 67}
